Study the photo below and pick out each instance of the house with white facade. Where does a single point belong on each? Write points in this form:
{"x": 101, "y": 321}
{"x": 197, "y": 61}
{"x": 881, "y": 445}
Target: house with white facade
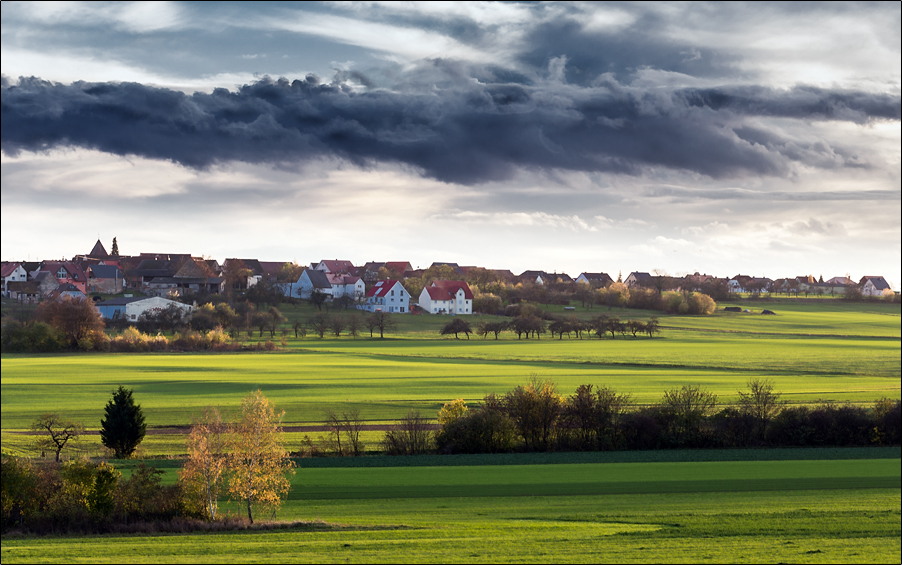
{"x": 639, "y": 279}
{"x": 346, "y": 285}
{"x": 595, "y": 279}
{"x": 387, "y": 296}
{"x": 309, "y": 281}
{"x": 13, "y": 272}
{"x": 873, "y": 286}
{"x": 447, "y": 297}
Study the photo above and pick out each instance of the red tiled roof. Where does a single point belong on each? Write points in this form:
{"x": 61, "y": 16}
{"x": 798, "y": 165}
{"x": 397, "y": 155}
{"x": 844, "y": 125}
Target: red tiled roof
{"x": 382, "y": 288}
{"x": 438, "y": 293}
{"x": 8, "y": 269}
{"x": 452, "y": 286}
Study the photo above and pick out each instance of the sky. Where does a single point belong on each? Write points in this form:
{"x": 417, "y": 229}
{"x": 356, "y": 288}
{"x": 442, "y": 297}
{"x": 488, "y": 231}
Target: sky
{"x": 724, "y": 138}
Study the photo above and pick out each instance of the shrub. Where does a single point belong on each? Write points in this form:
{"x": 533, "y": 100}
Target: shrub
{"x": 411, "y": 436}
{"x": 37, "y": 337}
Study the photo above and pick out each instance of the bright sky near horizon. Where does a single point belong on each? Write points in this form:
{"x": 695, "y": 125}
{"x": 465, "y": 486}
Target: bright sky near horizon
{"x": 724, "y": 138}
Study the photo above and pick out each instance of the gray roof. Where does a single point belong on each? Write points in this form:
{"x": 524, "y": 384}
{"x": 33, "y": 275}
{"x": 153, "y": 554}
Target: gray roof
{"x": 120, "y": 301}
{"x": 318, "y": 278}
{"x": 106, "y": 271}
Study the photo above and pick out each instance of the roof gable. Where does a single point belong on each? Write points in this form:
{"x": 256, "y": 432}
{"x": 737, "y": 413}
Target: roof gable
{"x": 384, "y": 288}
{"x": 98, "y": 251}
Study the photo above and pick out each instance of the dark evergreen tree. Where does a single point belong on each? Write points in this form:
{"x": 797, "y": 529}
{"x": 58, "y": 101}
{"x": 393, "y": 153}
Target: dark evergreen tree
{"x": 123, "y": 427}
{"x": 115, "y": 250}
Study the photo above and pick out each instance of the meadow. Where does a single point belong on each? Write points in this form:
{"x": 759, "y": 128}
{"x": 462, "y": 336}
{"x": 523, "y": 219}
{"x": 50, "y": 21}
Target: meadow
{"x": 827, "y": 351}
{"x": 811, "y": 505}
{"x": 789, "y": 505}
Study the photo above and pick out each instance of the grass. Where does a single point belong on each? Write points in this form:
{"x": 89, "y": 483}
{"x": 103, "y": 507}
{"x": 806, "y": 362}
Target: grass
{"x": 799, "y": 510}
{"x": 720, "y": 506}
{"x": 416, "y": 369}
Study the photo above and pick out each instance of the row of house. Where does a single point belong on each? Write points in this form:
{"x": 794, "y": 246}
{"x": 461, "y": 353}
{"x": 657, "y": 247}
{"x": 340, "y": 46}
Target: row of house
{"x": 370, "y": 286}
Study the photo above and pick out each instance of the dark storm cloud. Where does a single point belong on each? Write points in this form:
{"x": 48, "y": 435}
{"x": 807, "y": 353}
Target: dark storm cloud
{"x": 443, "y": 121}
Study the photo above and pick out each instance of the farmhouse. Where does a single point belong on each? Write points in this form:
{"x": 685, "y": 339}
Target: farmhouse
{"x": 387, "y": 296}
{"x": 447, "y": 297}
{"x": 13, "y": 272}
{"x": 873, "y": 286}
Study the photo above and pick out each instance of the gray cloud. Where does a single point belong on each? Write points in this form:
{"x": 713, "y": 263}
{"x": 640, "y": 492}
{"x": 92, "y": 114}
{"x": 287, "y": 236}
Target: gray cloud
{"x": 448, "y": 120}
{"x": 777, "y": 195}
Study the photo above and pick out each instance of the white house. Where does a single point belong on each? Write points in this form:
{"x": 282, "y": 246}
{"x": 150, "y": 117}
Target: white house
{"x": 309, "y": 280}
{"x": 387, "y": 296}
{"x": 447, "y": 297}
{"x": 13, "y": 272}
{"x": 346, "y": 285}
{"x": 873, "y": 286}
{"x": 602, "y": 279}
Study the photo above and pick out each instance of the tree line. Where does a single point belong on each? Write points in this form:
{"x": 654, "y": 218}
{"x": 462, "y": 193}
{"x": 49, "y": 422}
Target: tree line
{"x": 533, "y": 323}
{"x": 534, "y": 417}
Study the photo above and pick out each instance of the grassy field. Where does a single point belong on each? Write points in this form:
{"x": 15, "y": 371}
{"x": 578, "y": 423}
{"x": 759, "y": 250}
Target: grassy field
{"x": 805, "y": 506}
{"x": 719, "y": 506}
{"x": 830, "y": 350}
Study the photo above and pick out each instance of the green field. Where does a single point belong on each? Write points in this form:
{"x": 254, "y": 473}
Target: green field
{"x": 802, "y": 349}
{"x": 823, "y": 506}
{"x": 730, "y": 506}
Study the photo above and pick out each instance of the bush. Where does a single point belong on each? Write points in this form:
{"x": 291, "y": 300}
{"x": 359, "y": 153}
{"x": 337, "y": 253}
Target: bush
{"x": 37, "y": 337}
{"x": 482, "y": 430}
{"x": 411, "y": 436}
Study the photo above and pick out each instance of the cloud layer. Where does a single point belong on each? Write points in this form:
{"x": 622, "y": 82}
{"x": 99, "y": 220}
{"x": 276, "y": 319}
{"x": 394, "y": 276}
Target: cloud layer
{"x": 452, "y": 122}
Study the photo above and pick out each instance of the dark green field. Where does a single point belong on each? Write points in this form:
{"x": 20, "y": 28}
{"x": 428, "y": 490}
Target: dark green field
{"x": 795, "y": 506}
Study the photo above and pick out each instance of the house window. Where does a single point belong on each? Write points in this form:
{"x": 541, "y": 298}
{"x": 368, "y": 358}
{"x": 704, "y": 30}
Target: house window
{"x": 402, "y": 309}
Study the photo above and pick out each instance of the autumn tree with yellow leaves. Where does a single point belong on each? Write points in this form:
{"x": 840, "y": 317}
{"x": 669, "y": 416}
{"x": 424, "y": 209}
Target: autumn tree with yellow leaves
{"x": 205, "y": 469}
{"x": 259, "y": 466}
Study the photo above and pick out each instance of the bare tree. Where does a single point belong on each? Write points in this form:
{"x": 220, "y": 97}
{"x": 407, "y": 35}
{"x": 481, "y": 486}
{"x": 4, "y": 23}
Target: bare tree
{"x": 410, "y": 437}
{"x": 382, "y": 321}
{"x": 687, "y": 408}
{"x": 345, "y": 432}
{"x": 56, "y": 431}
{"x": 760, "y": 402}
{"x": 337, "y": 325}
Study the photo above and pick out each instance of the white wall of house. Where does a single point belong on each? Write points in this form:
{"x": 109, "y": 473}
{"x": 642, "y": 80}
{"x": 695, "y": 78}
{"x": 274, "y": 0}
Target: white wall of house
{"x": 133, "y": 310}
{"x": 19, "y": 274}
{"x": 395, "y": 299}
{"x": 458, "y": 304}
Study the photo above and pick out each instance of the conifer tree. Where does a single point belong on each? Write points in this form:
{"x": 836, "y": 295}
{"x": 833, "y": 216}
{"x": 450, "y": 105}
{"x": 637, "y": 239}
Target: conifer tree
{"x": 122, "y": 428}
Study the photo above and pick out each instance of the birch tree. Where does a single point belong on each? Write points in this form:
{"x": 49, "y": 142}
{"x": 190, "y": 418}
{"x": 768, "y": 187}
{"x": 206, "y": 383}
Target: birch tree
{"x": 204, "y": 471}
{"x": 259, "y": 465}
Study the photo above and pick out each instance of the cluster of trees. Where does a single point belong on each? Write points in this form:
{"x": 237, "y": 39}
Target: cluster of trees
{"x": 243, "y": 458}
{"x": 67, "y": 323}
{"x": 614, "y": 295}
{"x": 535, "y": 417}
{"x": 85, "y": 497}
{"x": 533, "y": 323}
